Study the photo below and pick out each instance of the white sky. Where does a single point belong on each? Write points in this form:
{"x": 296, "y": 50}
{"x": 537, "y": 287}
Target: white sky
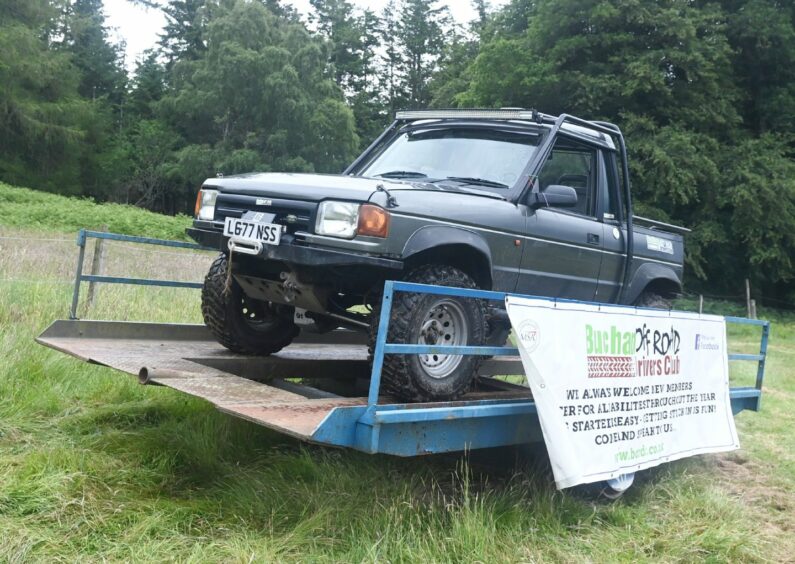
{"x": 139, "y": 27}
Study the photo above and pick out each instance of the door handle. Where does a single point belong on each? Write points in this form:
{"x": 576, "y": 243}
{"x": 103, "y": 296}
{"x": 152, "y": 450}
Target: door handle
{"x": 593, "y": 239}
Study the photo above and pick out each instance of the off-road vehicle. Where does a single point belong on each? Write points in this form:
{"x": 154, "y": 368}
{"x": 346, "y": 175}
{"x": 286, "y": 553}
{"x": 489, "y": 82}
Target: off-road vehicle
{"x": 509, "y": 200}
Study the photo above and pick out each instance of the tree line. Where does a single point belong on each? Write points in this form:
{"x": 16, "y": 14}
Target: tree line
{"x": 703, "y": 90}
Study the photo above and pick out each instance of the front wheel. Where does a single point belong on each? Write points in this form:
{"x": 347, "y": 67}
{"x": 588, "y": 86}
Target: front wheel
{"x": 428, "y": 319}
{"x": 240, "y": 323}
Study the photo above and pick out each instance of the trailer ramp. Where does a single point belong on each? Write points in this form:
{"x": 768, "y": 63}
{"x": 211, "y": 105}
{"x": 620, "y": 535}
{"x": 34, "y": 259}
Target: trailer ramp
{"x": 259, "y": 389}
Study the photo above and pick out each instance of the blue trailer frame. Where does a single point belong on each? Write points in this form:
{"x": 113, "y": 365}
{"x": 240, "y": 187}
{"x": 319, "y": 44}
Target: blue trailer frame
{"x": 412, "y": 429}
{"x": 426, "y": 428}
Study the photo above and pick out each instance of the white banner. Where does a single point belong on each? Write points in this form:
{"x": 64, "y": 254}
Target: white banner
{"x": 619, "y": 389}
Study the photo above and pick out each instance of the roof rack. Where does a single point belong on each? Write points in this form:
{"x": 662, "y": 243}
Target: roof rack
{"x": 568, "y": 122}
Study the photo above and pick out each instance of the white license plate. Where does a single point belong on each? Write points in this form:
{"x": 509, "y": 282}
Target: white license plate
{"x": 243, "y": 230}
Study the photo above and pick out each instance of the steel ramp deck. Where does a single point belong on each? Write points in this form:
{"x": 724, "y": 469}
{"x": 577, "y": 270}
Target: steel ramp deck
{"x": 188, "y": 359}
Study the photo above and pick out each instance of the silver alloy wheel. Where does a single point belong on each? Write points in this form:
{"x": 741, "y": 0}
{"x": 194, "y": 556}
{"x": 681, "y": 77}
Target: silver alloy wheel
{"x": 444, "y": 324}
{"x": 618, "y": 485}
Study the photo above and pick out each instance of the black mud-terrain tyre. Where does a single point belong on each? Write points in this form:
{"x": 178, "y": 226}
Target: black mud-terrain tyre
{"x": 654, "y": 300}
{"x": 241, "y": 324}
{"x": 431, "y": 319}
{"x": 498, "y": 333}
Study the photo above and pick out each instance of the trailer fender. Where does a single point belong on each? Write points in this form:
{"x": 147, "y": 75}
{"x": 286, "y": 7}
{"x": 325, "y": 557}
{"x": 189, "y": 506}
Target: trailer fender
{"x": 661, "y": 278}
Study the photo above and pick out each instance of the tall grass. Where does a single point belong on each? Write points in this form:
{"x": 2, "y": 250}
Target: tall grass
{"x": 94, "y": 467}
{"x": 29, "y": 209}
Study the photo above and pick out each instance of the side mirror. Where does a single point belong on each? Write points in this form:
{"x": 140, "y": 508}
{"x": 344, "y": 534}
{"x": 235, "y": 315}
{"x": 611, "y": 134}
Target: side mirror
{"x": 555, "y": 196}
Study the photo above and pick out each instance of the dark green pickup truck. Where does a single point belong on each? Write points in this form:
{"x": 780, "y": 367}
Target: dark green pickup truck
{"x": 510, "y": 200}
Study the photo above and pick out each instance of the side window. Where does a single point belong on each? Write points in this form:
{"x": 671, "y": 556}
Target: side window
{"x": 575, "y": 166}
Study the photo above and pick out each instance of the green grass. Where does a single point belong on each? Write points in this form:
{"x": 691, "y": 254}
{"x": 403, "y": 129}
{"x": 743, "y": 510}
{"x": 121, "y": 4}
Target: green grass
{"x": 94, "y": 467}
{"x": 29, "y": 209}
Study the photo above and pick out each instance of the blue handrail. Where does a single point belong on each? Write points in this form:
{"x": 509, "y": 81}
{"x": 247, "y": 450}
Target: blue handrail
{"x": 391, "y": 286}
{"x": 84, "y": 234}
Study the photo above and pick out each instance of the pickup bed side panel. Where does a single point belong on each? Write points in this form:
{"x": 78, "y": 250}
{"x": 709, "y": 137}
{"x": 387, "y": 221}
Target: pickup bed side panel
{"x": 659, "y": 256}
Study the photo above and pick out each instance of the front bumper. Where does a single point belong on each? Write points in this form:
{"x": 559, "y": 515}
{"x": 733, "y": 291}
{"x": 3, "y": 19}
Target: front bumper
{"x": 293, "y": 253}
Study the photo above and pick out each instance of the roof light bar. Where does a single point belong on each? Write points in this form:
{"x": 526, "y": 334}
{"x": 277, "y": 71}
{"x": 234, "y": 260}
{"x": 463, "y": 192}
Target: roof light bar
{"x": 511, "y": 113}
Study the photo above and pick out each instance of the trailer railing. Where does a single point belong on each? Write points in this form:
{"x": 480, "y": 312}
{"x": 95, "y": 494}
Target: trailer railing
{"x": 82, "y": 237}
{"x": 745, "y": 397}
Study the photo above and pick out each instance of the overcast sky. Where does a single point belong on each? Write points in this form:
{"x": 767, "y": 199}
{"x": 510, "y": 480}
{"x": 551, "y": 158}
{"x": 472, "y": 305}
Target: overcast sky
{"x": 139, "y": 27}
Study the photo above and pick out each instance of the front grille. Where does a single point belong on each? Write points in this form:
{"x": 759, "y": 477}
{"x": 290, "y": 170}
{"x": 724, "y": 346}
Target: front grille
{"x": 297, "y": 215}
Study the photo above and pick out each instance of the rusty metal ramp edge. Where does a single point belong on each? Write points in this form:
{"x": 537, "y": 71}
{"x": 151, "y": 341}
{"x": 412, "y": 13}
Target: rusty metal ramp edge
{"x": 186, "y": 358}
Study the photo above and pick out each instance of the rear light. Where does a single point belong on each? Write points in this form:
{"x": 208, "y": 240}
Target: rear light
{"x": 373, "y": 221}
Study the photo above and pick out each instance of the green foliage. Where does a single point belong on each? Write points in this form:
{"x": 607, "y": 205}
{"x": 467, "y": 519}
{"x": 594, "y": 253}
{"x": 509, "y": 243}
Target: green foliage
{"x": 41, "y": 112}
{"x": 261, "y": 88}
{"x": 421, "y": 35}
{"x": 759, "y": 193}
{"x": 183, "y": 37}
{"x": 98, "y": 63}
{"x": 29, "y": 209}
{"x": 148, "y": 87}
{"x": 352, "y": 38}
{"x": 694, "y": 86}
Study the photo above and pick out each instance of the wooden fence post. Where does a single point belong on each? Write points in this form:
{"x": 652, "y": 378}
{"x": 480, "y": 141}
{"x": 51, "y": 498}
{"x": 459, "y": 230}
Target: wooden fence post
{"x": 97, "y": 263}
{"x": 701, "y": 303}
{"x": 748, "y": 297}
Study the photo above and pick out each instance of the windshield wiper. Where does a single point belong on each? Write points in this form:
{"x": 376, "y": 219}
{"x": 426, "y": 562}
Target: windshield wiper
{"x": 478, "y": 181}
{"x": 401, "y": 174}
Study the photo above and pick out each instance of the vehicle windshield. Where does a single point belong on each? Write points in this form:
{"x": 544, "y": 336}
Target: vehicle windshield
{"x": 487, "y": 159}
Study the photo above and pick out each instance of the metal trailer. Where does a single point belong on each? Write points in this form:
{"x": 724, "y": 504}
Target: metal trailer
{"x": 311, "y": 390}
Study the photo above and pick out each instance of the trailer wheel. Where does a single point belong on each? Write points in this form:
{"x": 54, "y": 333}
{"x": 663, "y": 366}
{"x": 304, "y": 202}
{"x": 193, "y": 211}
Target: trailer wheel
{"x": 242, "y": 324}
{"x": 616, "y": 487}
{"x": 608, "y": 490}
{"x": 431, "y": 319}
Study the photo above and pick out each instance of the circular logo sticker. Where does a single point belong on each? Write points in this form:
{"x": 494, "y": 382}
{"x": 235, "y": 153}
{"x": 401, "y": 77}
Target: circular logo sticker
{"x": 616, "y": 233}
{"x": 529, "y": 334}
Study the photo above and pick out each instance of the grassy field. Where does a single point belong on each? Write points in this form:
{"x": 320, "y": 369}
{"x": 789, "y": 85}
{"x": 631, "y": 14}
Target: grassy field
{"x": 94, "y": 467}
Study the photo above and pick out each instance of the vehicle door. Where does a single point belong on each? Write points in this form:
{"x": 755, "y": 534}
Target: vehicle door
{"x": 563, "y": 246}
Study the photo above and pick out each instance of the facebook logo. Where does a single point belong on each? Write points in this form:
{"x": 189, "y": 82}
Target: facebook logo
{"x": 706, "y": 343}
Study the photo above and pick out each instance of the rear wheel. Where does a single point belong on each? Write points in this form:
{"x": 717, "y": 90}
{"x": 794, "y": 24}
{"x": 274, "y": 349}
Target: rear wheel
{"x": 498, "y": 333}
{"x": 240, "y": 323}
{"x": 649, "y": 298}
{"x": 428, "y": 319}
